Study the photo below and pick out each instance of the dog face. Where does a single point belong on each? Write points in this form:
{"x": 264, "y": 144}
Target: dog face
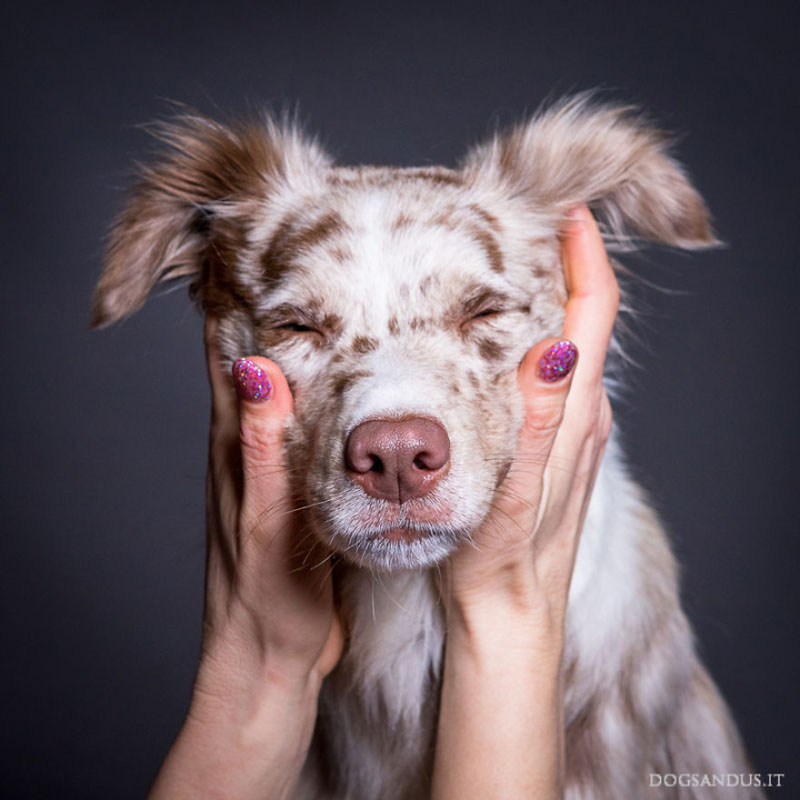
{"x": 402, "y": 309}
{"x": 398, "y": 302}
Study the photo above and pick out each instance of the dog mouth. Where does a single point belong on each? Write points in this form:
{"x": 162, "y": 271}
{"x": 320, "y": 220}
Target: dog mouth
{"x": 391, "y": 544}
{"x": 402, "y": 534}
{"x": 416, "y": 515}
{"x": 407, "y": 532}
{"x": 407, "y": 546}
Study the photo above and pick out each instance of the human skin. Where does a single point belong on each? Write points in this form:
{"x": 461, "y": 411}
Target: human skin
{"x": 271, "y": 632}
{"x": 501, "y": 731}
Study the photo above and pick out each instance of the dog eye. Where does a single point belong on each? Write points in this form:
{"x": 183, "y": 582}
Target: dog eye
{"x": 297, "y": 327}
{"x": 482, "y": 317}
{"x": 488, "y": 312}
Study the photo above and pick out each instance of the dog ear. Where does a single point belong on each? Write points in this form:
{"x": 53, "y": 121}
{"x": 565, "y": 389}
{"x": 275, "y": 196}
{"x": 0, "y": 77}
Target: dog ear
{"x": 578, "y": 151}
{"x": 207, "y": 169}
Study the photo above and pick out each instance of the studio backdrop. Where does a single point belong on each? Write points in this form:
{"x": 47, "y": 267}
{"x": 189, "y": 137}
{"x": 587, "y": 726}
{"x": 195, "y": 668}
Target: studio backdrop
{"x": 104, "y": 433}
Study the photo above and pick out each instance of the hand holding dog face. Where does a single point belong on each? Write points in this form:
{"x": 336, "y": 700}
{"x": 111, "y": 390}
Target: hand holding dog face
{"x": 501, "y": 729}
{"x": 526, "y": 547}
{"x": 271, "y": 633}
{"x": 260, "y": 590}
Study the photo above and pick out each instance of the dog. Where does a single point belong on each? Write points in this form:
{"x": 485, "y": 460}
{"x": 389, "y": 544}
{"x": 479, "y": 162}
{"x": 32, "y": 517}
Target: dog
{"x": 407, "y": 297}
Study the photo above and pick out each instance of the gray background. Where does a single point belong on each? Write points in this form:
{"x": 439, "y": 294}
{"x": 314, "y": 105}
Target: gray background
{"x": 104, "y": 433}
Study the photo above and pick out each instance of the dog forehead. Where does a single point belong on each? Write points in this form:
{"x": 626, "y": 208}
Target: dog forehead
{"x": 403, "y": 241}
{"x": 387, "y": 236}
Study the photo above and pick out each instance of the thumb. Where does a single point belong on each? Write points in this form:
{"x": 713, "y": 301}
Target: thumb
{"x": 264, "y": 410}
{"x": 544, "y": 378}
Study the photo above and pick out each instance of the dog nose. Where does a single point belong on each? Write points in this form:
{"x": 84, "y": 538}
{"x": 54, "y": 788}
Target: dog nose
{"x": 397, "y": 459}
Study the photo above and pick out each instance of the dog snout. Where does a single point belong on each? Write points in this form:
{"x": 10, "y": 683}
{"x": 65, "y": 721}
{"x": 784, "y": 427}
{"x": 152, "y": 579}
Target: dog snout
{"x": 397, "y": 459}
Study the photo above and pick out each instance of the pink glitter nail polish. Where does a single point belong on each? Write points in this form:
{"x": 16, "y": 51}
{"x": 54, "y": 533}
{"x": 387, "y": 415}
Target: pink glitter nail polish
{"x": 252, "y": 382}
{"x": 558, "y": 361}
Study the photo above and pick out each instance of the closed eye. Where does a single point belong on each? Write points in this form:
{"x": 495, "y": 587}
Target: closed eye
{"x": 481, "y": 318}
{"x": 482, "y": 302}
{"x": 489, "y": 312}
{"x": 296, "y": 327}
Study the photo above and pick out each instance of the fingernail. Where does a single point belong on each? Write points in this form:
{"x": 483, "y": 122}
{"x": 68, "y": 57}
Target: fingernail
{"x": 252, "y": 382}
{"x": 558, "y": 361}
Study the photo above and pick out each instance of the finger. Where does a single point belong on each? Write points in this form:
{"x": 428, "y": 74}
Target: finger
{"x": 570, "y": 496}
{"x": 264, "y": 409}
{"x": 593, "y": 294}
{"x": 544, "y": 379}
{"x": 224, "y": 411}
{"x": 223, "y": 484}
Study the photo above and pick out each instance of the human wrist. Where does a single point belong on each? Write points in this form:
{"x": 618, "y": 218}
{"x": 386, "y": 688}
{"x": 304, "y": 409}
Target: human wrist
{"x": 511, "y": 616}
{"x": 517, "y": 592}
{"x": 247, "y": 701}
{"x": 503, "y": 661}
{"x": 273, "y": 632}
{"x": 236, "y": 661}
{"x": 247, "y": 730}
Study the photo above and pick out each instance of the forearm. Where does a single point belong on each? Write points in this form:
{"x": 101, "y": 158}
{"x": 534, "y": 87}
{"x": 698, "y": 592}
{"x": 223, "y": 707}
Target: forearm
{"x": 500, "y": 724}
{"x": 246, "y": 734}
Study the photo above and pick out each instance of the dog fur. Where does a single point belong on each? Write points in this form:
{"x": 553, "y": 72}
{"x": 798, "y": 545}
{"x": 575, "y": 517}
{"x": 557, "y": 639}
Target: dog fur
{"x": 384, "y": 292}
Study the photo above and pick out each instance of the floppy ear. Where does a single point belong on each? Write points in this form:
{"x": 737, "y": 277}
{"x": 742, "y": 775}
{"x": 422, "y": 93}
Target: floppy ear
{"x": 578, "y": 151}
{"x": 163, "y": 230}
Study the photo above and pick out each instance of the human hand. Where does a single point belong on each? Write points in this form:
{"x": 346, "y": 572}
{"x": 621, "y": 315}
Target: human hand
{"x": 262, "y": 597}
{"x": 270, "y": 629}
{"x": 525, "y": 550}
{"x": 501, "y": 727}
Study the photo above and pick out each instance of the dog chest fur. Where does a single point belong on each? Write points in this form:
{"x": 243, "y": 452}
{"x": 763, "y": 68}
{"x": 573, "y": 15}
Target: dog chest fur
{"x": 637, "y": 701}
